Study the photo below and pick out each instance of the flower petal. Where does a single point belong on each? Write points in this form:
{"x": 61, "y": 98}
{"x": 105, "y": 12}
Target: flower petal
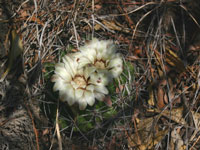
{"x": 71, "y": 92}
{"x": 82, "y": 104}
{"x": 116, "y": 72}
{"x": 74, "y": 85}
{"x": 59, "y": 66}
{"x": 115, "y": 62}
{"x": 63, "y": 96}
{"x": 62, "y": 72}
{"x": 83, "y": 62}
{"x": 81, "y": 59}
{"x": 90, "y": 88}
{"x": 59, "y": 85}
{"x": 55, "y": 78}
{"x": 89, "y": 96}
{"x": 99, "y": 96}
{"x": 98, "y": 78}
{"x": 99, "y": 56}
{"x": 78, "y": 93}
{"x": 88, "y": 70}
{"x": 70, "y": 65}
{"x": 101, "y": 89}
{"x": 93, "y": 78}
{"x": 80, "y": 71}
{"x": 90, "y": 54}
{"x": 71, "y": 101}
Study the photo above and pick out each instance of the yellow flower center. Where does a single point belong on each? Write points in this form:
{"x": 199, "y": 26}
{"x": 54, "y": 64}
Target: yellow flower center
{"x": 100, "y": 64}
{"x": 80, "y": 81}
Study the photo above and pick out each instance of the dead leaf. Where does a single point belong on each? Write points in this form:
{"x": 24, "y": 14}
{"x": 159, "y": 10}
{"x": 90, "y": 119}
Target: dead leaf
{"x": 45, "y": 132}
{"x": 175, "y": 114}
{"x": 161, "y": 98}
{"x": 196, "y": 118}
{"x": 15, "y": 51}
{"x": 176, "y": 139}
{"x": 97, "y": 27}
{"x": 174, "y": 60}
{"x": 151, "y": 101}
{"x": 108, "y": 101}
{"x": 120, "y": 88}
{"x": 97, "y": 7}
{"x": 148, "y": 133}
{"x": 113, "y": 25}
{"x": 132, "y": 58}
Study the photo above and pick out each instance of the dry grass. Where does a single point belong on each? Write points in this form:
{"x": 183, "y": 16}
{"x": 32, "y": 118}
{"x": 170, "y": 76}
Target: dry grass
{"x": 155, "y": 102}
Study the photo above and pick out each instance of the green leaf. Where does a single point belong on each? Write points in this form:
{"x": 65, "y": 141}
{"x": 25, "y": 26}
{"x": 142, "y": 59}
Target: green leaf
{"x": 83, "y": 124}
{"x": 110, "y": 113}
{"x": 63, "y": 123}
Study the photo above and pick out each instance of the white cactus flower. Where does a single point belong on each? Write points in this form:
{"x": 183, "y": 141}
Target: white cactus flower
{"x": 78, "y": 85}
{"x": 102, "y": 56}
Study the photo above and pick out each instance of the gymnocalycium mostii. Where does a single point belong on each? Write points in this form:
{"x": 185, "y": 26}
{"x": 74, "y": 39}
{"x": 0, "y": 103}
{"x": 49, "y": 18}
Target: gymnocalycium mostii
{"x": 82, "y": 77}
